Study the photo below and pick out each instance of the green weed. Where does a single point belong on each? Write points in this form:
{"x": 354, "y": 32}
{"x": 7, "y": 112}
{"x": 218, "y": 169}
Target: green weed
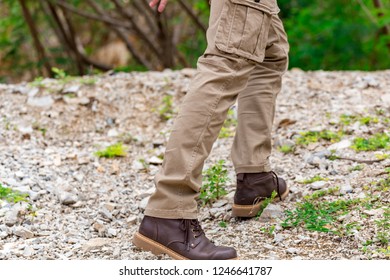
{"x": 268, "y": 230}
{"x": 363, "y": 120}
{"x": 318, "y": 215}
{"x": 314, "y": 136}
{"x": 286, "y": 149}
{"x": 321, "y": 193}
{"x": 222, "y": 224}
{"x": 358, "y": 167}
{"x": 266, "y": 202}
{"x": 11, "y": 195}
{"x": 374, "y": 143}
{"x": 166, "y": 109}
{"x": 214, "y": 180}
{"x": 116, "y": 150}
{"x": 229, "y": 126}
{"x": 316, "y": 178}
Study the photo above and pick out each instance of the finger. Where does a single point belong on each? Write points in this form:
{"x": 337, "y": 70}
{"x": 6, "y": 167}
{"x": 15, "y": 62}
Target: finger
{"x": 163, "y": 4}
{"x": 153, "y": 3}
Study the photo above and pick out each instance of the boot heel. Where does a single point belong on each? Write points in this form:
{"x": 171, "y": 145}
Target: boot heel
{"x": 146, "y": 244}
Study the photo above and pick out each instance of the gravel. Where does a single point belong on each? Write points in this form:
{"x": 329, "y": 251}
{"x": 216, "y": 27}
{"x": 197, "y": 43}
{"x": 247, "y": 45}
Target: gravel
{"x": 84, "y": 207}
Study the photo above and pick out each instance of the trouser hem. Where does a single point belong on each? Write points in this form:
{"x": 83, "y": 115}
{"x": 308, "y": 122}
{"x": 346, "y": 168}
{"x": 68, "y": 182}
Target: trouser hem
{"x": 253, "y": 168}
{"x": 171, "y": 214}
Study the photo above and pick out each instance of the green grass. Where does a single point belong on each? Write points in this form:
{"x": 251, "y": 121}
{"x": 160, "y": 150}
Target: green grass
{"x": 308, "y": 137}
{"x": 266, "y": 202}
{"x": 222, "y": 224}
{"x": 11, "y": 195}
{"x": 318, "y": 215}
{"x": 374, "y": 143}
{"x": 214, "y": 181}
{"x": 363, "y": 120}
{"x": 358, "y": 167}
{"x": 229, "y": 126}
{"x": 116, "y": 150}
{"x": 165, "y": 110}
{"x": 316, "y": 178}
{"x": 286, "y": 149}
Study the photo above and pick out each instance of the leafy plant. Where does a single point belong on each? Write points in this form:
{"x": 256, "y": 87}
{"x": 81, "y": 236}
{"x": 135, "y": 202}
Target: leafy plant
{"x": 374, "y": 143}
{"x": 214, "y": 180}
{"x": 267, "y": 202}
{"x": 222, "y": 224}
{"x": 11, "y": 195}
{"x": 166, "y": 109}
{"x": 229, "y": 126}
{"x": 316, "y": 178}
{"x": 318, "y": 216}
{"x": 314, "y": 136}
{"x": 286, "y": 149}
{"x": 116, "y": 150}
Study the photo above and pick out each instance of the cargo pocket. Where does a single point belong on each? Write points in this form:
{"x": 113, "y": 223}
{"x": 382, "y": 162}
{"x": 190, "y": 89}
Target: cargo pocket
{"x": 243, "y": 28}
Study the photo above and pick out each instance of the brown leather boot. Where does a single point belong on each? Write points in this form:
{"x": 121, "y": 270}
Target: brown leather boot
{"x": 253, "y": 189}
{"x": 179, "y": 238}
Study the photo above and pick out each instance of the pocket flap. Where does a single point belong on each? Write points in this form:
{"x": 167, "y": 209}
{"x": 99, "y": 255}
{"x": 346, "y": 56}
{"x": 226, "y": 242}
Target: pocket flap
{"x": 267, "y": 6}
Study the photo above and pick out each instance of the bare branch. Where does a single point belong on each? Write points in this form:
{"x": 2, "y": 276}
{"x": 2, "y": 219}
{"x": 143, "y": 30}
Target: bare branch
{"x": 34, "y": 33}
{"x": 193, "y": 16}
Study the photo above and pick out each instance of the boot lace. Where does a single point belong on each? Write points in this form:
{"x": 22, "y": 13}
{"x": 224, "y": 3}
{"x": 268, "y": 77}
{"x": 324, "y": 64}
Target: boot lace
{"x": 191, "y": 226}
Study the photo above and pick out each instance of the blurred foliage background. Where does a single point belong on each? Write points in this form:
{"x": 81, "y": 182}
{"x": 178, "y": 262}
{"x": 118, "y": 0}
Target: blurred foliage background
{"x": 84, "y": 36}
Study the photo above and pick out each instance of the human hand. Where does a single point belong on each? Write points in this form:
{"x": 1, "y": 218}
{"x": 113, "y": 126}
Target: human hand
{"x": 161, "y": 6}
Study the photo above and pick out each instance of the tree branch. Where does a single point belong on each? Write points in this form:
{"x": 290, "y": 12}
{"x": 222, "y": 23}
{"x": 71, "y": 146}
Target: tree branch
{"x": 193, "y": 16}
{"x": 34, "y": 32}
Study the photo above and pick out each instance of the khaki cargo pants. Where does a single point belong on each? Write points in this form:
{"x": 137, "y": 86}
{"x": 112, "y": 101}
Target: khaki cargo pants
{"x": 246, "y": 57}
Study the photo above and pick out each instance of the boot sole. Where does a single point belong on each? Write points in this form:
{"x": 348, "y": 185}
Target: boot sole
{"x": 156, "y": 248}
{"x": 249, "y": 211}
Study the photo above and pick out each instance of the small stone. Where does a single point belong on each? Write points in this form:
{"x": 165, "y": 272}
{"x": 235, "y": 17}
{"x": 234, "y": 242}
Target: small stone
{"x": 137, "y": 165}
{"x": 340, "y": 145}
{"x": 112, "y": 133}
{"x": 41, "y": 102}
{"x": 67, "y": 198}
{"x": 319, "y": 185}
{"x": 271, "y": 212}
{"x": 292, "y": 251}
{"x": 11, "y": 217}
{"x": 57, "y": 160}
{"x": 71, "y": 89}
{"x": 117, "y": 252}
{"x": 100, "y": 169}
{"x": 101, "y": 229}
{"x": 386, "y": 99}
{"x": 374, "y": 212}
{"x": 269, "y": 247}
{"x": 79, "y": 177}
{"x": 115, "y": 169}
{"x": 83, "y": 160}
{"x": 132, "y": 220}
{"x": 111, "y": 232}
{"x": 28, "y": 251}
{"x": 143, "y": 203}
{"x": 19, "y": 174}
{"x": 278, "y": 238}
{"x": 96, "y": 244}
{"x": 346, "y": 189}
{"x": 77, "y": 100}
{"x": 155, "y": 160}
{"x": 106, "y": 214}
{"x": 109, "y": 206}
{"x": 23, "y": 232}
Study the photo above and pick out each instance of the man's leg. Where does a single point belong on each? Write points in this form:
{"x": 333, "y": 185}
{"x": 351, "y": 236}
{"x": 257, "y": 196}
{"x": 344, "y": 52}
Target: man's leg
{"x": 235, "y": 38}
{"x": 256, "y": 110}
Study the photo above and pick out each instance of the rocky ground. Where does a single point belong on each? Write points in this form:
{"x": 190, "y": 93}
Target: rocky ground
{"x": 80, "y": 206}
